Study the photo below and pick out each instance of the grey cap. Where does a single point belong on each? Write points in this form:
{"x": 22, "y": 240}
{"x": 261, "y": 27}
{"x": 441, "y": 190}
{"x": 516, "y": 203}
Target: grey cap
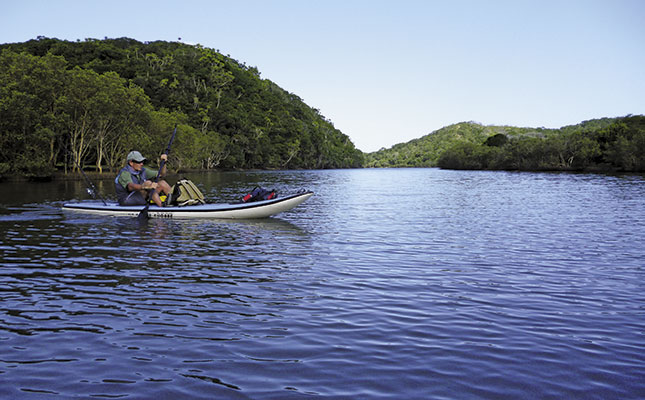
{"x": 135, "y": 156}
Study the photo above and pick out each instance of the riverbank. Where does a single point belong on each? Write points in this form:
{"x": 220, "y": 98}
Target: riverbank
{"x": 602, "y": 169}
{"x": 92, "y": 175}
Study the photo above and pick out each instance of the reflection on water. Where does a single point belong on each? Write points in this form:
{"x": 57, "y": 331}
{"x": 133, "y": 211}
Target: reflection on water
{"x": 414, "y": 283}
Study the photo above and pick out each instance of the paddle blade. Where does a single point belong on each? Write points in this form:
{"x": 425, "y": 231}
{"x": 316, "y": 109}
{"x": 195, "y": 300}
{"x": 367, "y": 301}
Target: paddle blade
{"x": 143, "y": 215}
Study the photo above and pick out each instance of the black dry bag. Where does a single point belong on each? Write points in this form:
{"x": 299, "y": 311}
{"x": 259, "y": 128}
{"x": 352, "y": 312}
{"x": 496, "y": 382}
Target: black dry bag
{"x": 258, "y": 193}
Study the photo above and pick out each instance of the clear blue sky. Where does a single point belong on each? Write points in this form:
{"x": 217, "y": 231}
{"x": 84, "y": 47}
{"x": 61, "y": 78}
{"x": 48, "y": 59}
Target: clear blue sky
{"x": 385, "y": 72}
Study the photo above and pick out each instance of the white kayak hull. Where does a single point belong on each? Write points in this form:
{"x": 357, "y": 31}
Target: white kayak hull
{"x": 257, "y": 209}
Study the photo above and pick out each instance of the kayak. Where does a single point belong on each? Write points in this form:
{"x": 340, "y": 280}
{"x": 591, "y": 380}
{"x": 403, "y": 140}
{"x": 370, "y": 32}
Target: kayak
{"x": 256, "y": 209}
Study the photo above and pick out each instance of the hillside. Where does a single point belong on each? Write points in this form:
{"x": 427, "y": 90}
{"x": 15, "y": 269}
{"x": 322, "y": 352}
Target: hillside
{"x": 425, "y": 151}
{"x": 65, "y": 104}
{"x": 606, "y": 144}
{"x": 88, "y": 102}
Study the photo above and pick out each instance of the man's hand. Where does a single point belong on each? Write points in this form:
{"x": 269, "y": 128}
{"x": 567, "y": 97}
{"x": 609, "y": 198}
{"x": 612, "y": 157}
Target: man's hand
{"x": 149, "y": 185}
{"x": 164, "y": 157}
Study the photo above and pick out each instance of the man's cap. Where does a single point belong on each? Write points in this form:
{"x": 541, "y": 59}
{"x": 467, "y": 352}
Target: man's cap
{"x": 135, "y": 156}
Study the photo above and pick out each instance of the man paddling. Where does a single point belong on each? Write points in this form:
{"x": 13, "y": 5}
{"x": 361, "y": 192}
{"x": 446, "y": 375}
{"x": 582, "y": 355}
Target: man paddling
{"x": 134, "y": 180}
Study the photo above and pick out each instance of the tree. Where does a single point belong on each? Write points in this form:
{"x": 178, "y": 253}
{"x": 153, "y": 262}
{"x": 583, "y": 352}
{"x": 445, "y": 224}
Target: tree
{"x": 29, "y": 112}
{"x": 123, "y": 111}
{"x": 497, "y": 140}
{"x": 81, "y": 90}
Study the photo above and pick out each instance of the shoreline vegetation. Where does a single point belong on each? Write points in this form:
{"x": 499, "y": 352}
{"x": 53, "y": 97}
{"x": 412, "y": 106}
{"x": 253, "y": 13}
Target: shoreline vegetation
{"x": 599, "y": 145}
{"x": 65, "y": 105}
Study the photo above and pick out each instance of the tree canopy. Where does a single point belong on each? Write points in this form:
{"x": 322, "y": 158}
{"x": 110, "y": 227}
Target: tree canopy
{"x": 64, "y": 104}
{"x": 616, "y": 144}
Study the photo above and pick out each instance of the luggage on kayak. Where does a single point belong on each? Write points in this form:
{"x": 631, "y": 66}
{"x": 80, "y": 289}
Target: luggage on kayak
{"x": 162, "y": 197}
{"x": 185, "y": 193}
{"x": 259, "y": 193}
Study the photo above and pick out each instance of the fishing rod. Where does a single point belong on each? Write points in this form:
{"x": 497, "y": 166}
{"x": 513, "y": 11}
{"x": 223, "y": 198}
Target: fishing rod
{"x": 91, "y": 189}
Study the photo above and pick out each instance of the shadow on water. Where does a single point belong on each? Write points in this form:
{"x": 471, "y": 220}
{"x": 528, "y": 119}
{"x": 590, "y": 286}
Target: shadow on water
{"x": 165, "y": 226}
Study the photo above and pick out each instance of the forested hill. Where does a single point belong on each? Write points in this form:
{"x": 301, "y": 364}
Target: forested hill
{"x": 89, "y": 102}
{"x": 616, "y": 144}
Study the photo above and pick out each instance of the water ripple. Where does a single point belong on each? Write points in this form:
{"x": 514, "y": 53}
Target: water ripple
{"x": 386, "y": 284}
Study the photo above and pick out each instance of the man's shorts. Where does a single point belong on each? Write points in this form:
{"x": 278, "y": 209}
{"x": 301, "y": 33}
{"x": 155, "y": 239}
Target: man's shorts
{"x": 134, "y": 199}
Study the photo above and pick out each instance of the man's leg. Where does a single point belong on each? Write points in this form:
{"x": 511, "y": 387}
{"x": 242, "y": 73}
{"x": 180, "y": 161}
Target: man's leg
{"x": 135, "y": 198}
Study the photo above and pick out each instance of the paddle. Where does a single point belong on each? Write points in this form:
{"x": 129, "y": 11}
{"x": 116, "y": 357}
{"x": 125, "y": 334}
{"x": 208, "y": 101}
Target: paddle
{"x": 90, "y": 186}
{"x": 143, "y": 215}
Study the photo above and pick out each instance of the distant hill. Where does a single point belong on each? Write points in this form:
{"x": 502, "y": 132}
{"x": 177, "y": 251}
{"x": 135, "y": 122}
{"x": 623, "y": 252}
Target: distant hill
{"x": 425, "y": 151}
{"x": 91, "y": 101}
{"x": 606, "y": 143}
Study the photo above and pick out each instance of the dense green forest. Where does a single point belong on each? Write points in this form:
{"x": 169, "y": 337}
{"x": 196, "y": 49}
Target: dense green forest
{"x": 610, "y": 144}
{"x": 87, "y": 103}
{"x": 64, "y": 104}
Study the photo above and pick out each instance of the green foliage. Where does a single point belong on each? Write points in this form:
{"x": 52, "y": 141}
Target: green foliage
{"x": 607, "y": 144}
{"x": 617, "y": 144}
{"x": 63, "y": 103}
{"x": 90, "y": 102}
{"x": 622, "y": 144}
{"x": 497, "y": 140}
{"x": 425, "y": 151}
{"x": 30, "y": 113}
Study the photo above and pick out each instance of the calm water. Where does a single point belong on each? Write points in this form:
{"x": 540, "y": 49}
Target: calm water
{"x": 399, "y": 284}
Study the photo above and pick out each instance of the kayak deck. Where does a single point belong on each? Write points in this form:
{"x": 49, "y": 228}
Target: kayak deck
{"x": 257, "y": 209}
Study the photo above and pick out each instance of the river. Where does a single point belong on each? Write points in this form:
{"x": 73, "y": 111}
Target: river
{"x": 387, "y": 284}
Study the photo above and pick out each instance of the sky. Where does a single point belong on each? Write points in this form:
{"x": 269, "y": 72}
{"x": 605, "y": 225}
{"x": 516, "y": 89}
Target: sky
{"x": 386, "y": 72}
